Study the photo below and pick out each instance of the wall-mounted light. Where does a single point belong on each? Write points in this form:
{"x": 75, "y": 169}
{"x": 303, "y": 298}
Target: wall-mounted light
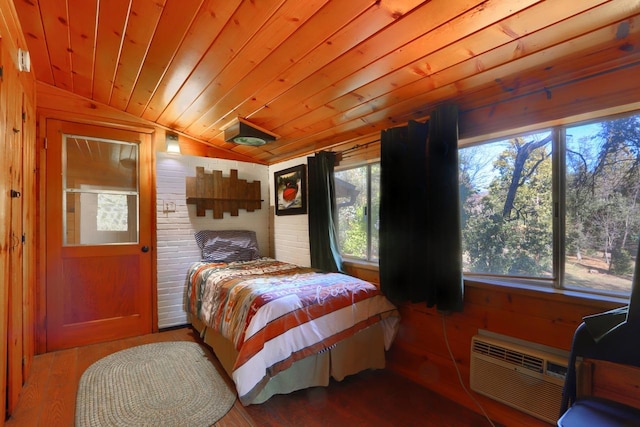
{"x": 173, "y": 147}
{"x": 244, "y": 133}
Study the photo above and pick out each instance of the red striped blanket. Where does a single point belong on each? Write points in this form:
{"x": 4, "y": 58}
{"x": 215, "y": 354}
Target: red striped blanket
{"x": 276, "y": 313}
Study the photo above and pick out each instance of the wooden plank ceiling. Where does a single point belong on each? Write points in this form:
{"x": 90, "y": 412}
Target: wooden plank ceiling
{"x": 317, "y": 72}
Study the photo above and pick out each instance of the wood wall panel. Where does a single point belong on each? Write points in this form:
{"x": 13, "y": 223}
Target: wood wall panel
{"x": 30, "y": 223}
{"x": 420, "y": 350}
{"x": 5, "y": 226}
{"x": 60, "y": 104}
{"x": 13, "y": 139}
{"x": 17, "y": 163}
{"x": 620, "y": 382}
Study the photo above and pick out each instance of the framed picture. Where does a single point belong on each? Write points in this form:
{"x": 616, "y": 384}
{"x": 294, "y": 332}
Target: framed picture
{"x": 291, "y": 190}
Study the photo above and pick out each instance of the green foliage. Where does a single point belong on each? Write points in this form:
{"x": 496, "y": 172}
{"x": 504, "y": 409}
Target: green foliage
{"x": 352, "y": 221}
{"x": 621, "y": 262}
{"x": 521, "y": 243}
{"x": 355, "y": 237}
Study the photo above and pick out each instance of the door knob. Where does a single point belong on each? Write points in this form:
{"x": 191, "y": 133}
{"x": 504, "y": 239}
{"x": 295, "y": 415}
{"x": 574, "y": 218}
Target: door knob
{"x": 145, "y": 249}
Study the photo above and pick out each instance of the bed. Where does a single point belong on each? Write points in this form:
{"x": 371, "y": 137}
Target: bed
{"x": 277, "y": 327}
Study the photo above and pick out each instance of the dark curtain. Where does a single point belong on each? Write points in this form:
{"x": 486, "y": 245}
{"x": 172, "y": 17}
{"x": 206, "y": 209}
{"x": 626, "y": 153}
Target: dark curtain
{"x": 420, "y": 236}
{"x": 323, "y": 241}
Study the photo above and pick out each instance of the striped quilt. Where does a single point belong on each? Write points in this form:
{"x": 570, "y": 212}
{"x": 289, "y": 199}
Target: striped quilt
{"x": 276, "y": 313}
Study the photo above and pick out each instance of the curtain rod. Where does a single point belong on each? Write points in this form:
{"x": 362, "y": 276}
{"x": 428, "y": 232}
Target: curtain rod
{"x": 357, "y": 147}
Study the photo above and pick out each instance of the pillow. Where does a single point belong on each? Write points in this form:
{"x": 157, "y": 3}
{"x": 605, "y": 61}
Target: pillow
{"x": 227, "y": 245}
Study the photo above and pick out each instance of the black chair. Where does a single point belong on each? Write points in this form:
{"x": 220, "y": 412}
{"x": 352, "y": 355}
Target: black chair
{"x": 613, "y": 336}
{"x": 622, "y": 346}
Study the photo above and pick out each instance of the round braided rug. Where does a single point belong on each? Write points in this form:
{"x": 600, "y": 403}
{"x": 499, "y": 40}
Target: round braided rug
{"x": 161, "y": 384}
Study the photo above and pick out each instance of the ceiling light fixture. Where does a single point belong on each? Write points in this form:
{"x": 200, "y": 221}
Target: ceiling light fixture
{"x": 244, "y": 133}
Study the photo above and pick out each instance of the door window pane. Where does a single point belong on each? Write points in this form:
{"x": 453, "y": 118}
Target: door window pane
{"x": 100, "y": 185}
{"x": 602, "y": 196}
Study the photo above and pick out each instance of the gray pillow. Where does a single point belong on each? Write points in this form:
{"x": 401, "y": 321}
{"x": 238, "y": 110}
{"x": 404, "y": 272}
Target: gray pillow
{"x": 227, "y": 245}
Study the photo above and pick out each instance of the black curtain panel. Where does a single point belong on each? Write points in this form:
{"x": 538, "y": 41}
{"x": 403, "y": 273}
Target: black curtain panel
{"x": 420, "y": 236}
{"x": 323, "y": 239}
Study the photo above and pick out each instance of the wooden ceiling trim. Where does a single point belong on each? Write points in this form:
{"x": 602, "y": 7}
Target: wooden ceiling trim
{"x": 55, "y": 20}
{"x": 82, "y": 37}
{"x": 581, "y": 96}
{"x": 110, "y": 34}
{"x": 378, "y": 91}
{"x": 244, "y": 23}
{"x": 210, "y": 20}
{"x": 356, "y": 32}
{"x": 351, "y": 46}
{"x": 141, "y": 27}
{"x": 405, "y": 110}
{"x": 558, "y": 64}
{"x": 266, "y": 44}
{"x": 404, "y": 32}
{"x": 333, "y": 136}
{"x": 523, "y": 24}
{"x": 615, "y": 54}
{"x": 300, "y": 130}
{"x": 60, "y": 104}
{"x": 480, "y": 43}
{"x": 568, "y": 51}
{"x": 174, "y": 23}
{"x": 317, "y": 73}
{"x": 498, "y": 121}
{"x": 463, "y": 77}
{"x": 297, "y": 58}
{"x": 31, "y": 23}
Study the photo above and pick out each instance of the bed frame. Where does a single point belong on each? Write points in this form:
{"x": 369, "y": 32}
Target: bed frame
{"x": 364, "y": 350}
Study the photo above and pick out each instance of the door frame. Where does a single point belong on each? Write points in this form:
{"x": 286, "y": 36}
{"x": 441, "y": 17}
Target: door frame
{"x": 44, "y": 115}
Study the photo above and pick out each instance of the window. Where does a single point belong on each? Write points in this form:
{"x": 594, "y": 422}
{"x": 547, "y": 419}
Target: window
{"x": 100, "y": 191}
{"x": 358, "y": 201}
{"x": 559, "y": 206}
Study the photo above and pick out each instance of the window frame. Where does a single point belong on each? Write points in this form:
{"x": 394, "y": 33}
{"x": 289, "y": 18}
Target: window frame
{"x": 552, "y": 286}
{"x": 556, "y": 282}
{"x": 349, "y": 258}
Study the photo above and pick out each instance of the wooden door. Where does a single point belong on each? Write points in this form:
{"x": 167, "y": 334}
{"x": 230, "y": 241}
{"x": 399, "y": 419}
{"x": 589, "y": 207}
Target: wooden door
{"x": 98, "y": 234}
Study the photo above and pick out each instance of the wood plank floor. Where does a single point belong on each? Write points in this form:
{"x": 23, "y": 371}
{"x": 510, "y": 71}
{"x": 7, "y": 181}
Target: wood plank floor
{"x": 372, "y": 398}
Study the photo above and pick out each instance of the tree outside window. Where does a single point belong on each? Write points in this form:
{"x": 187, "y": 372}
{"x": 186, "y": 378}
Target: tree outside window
{"x": 358, "y": 202}
{"x": 510, "y": 199}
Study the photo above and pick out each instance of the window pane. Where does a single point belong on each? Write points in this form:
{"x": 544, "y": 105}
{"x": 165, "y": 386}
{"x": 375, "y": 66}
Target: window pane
{"x": 91, "y": 221}
{"x": 351, "y": 201}
{"x": 602, "y": 214}
{"x": 375, "y": 210}
{"x": 100, "y": 184}
{"x": 506, "y": 207}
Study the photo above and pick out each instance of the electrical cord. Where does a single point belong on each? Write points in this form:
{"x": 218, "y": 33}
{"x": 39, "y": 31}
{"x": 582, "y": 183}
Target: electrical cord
{"x": 446, "y": 341}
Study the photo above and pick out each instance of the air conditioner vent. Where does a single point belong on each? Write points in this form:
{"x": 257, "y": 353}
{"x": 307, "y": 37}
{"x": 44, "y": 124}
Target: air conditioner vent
{"x": 527, "y": 361}
{"x": 523, "y": 375}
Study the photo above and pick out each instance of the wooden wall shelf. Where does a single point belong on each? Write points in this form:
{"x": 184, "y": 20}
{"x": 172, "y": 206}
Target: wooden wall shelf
{"x": 222, "y": 194}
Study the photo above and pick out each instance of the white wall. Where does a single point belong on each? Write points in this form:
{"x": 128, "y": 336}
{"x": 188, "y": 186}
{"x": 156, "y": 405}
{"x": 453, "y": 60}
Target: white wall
{"x": 290, "y": 233}
{"x": 176, "y": 246}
